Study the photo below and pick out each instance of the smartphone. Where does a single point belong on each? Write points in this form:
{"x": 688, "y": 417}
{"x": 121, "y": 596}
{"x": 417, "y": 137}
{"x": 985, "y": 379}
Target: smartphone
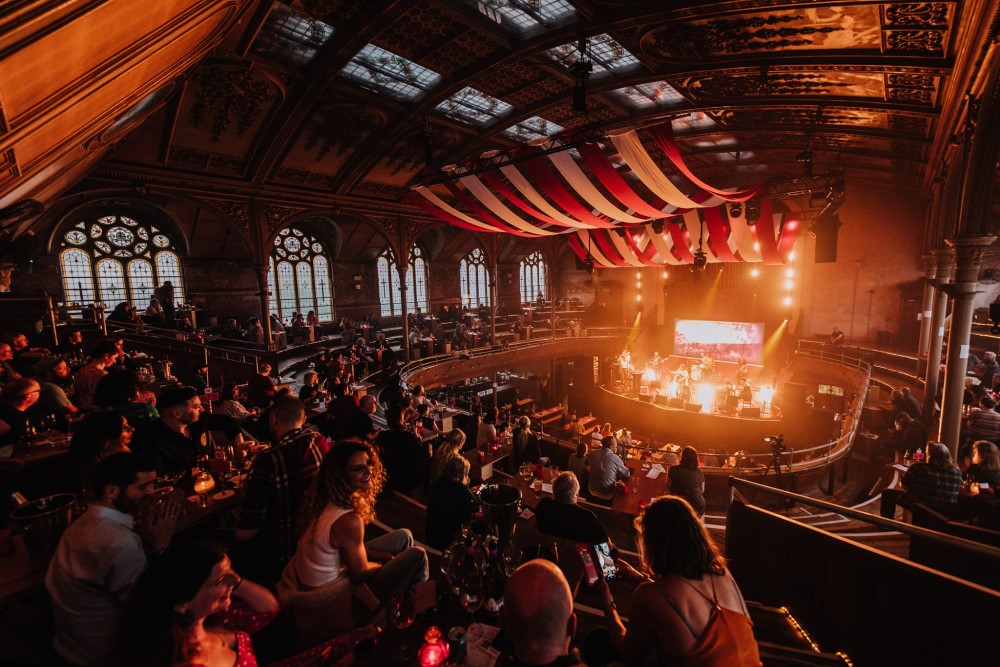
{"x": 605, "y": 560}
{"x": 589, "y": 568}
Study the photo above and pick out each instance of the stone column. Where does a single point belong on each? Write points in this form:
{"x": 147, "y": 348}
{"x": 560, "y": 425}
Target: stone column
{"x": 945, "y": 266}
{"x": 265, "y": 306}
{"x": 926, "y": 312}
{"x": 401, "y": 269}
{"x": 493, "y": 302}
{"x": 969, "y": 253}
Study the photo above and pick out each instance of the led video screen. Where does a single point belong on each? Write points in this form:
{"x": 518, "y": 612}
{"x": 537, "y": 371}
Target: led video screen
{"x": 725, "y": 341}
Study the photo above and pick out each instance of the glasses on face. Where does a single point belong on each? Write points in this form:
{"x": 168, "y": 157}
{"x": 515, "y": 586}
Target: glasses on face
{"x": 128, "y": 429}
{"x": 230, "y": 579}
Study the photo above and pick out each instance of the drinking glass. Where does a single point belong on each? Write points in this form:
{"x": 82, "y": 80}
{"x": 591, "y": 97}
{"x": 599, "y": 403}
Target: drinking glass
{"x": 402, "y": 609}
{"x": 471, "y": 592}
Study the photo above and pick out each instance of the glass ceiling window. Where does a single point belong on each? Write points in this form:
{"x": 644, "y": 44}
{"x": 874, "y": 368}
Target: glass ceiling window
{"x": 646, "y": 95}
{"x": 533, "y": 128}
{"x": 384, "y": 72}
{"x": 695, "y": 120}
{"x": 291, "y": 37}
{"x": 526, "y": 17}
{"x": 604, "y": 52}
{"x": 472, "y": 106}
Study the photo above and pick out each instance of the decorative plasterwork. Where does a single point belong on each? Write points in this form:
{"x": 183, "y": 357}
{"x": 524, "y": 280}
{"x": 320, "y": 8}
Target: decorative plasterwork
{"x": 237, "y": 211}
{"x": 230, "y": 94}
{"x": 276, "y": 216}
{"x": 342, "y": 127}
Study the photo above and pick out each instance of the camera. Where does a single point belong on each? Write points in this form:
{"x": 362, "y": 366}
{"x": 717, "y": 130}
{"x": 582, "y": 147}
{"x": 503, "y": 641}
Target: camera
{"x": 777, "y": 443}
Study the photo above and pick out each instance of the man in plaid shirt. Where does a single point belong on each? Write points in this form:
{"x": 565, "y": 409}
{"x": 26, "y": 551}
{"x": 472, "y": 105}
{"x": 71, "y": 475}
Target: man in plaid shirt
{"x": 278, "y": 481}
{"x": 935, "y": 483}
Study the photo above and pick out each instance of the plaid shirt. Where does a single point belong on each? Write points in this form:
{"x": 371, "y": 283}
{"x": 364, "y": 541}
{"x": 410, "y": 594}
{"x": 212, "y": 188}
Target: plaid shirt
{"x": 278, "y": 481}
{"x": 984, "y": 425}
{"x": 935, "y": 487}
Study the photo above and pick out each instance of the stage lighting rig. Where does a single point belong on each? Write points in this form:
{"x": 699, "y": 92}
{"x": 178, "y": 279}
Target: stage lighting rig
{"x": 700, "y": 259}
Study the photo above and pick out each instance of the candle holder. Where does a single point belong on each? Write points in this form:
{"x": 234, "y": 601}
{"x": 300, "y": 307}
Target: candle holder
{"x": 434, "y": 651}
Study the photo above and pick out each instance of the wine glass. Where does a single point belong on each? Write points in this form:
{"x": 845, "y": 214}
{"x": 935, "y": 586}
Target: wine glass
{"x": 402, "y": 609}
{"x": 471, "y": 591}
{"x": 203, "y": 483}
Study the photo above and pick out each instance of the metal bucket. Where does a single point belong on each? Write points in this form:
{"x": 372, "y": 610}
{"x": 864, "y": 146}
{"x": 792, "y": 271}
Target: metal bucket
{"x": 43, "y": 521}
{"x": 500, "y": 507}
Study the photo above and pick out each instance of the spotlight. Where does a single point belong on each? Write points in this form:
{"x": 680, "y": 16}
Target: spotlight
{"x": 588, "y": 265}
{"x": 753, "y": 211}
{"x": 581, "y": 71}
{"x": 700, "y": 259}
{"x": 735, "y": 209}
{"x": 658, "y": 226}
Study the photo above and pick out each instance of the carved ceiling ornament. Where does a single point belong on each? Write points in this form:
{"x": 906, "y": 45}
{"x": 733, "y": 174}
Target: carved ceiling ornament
{"x": 930, "y": 42}
{"x": 690, "y": 41}
{"x": 342, "y": 127}
{"x": 908, "y": 124}
{"x": 276, "y": 216}
{"x": 237, "y": 211}
{"x": 918, "y": 14}
{"x": 802, "y": 115}
{"x": 756, "y": 85}
{"x": 230, "y": 94}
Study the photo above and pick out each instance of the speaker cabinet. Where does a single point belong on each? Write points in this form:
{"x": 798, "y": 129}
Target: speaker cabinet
{"x": 645, "y": 398}
{"x": 662, "y": 399}
{"x": 692, "y": 407}
{"x": 751, "y": 413}
{"x": 677, "y": 403}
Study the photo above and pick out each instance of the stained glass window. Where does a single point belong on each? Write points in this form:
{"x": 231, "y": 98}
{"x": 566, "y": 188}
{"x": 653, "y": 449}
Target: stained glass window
{"x": 309, "y": 285}
{"x": 532, "y": 275}
{"x": 389, "y": 295}
{"x": 114, "y": 262}
{"x": 474, "y": 279}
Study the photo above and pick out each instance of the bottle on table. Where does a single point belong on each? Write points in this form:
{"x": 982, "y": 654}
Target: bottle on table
{"x": 919, "y": 455}
{"x": 906, "y": 458}
{"x": 494, "y": 581}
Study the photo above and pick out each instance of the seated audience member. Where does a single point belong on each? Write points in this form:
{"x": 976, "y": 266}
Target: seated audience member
{"x": 524, "y": 445}
{"x": 406, "y": 459}
{"x": 578, "y": 464}
{"x": 121, "y": 392}
{"x": 309, "y": 393}
{"x": 910, "y": 435}
{"x": 985, "y": 468}
{"x": 99, "y": 558}
{"x": 333, "y": 556}
{"x": 687, "y": 480}
{"x": 260, "y": 387}
{"x": 311, "y": 319}
{"x": 688, "y": 610}
{"x": 154, "y": 312}
{"x": 984, "y": 424}
{"x": 837, "y": 337}
{"x": 232, "y": 330}
{"x": 103, "y": 355}
{"x": 277, "y": 482}
{"x": 53, "y": 376}
{"x": 607, "y": 471}
{"x": 538, "y": 616}
{"x": 191, "y": 608}
{"x": 71, "y": 348}
{"x": 488, "y": 429}
{"x": 178, "y": 437}
{"x": 450, "y": 503}
{"x": 342, "y": 404}
{"x": 934, "y": 482}
{"x": 986, "y": 369}
{"x": 561, "y": 516}
{"x": 426, "y": 422}
{"x": 7, "y": 371}
{"x": 229, "y": 403}
{"x": 98, "y": 436}
{"x": 359, "y": 425}
{"x": 25, "y": 356}
{"x": 16, "y": 397}
{"x": 447, "y": 450}
{"x": 200, "y": 379}
{"x": 255, "y": 332}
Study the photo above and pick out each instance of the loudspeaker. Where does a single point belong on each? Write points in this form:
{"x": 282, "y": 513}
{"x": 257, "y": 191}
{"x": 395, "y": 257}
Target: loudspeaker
{"x": 677, "y": 403}
{"x": 825, "y": 229}
{"x": 645, "y": 398}
{"x": 793, "y": 393}
{"x": 732, "y": 402}
{"x": 752, "y": 413}
{"x": 662, "y": 399}
{"x": 995, "y": 312}
{"x": 692, "y": 407}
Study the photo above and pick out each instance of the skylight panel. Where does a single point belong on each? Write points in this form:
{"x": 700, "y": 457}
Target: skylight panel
{"x": 647, "y": 95}
{"x": 532, "y": 129}
{"x": 696, "y": 120}
{"x": 526, "y": 17}
{"x": 383, "y": 71}
{"x": 603, "y": 51}
{"x": 291, "y": 37}
{"x": 474, "y": 107}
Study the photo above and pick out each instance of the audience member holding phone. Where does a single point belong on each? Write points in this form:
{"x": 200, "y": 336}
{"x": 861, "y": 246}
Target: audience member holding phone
{"x": 689, "y": 609}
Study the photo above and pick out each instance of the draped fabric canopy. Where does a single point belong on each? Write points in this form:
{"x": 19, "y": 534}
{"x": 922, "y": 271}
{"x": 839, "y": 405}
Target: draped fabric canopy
{"x": 552, "y": 194}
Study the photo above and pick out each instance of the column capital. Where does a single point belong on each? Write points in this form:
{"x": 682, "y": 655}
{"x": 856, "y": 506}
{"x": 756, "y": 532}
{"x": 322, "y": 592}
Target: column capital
{"x": 945, "y": 259}
{"x": 969, "y": 254}
{"x": 929, "y": 264}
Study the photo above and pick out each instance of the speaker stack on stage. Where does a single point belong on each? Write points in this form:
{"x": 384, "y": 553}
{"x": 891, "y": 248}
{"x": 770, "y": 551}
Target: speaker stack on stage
{"x": 752, "y": 413}
{"x": 692, "y": 407}
{"x": 677, "y": 403}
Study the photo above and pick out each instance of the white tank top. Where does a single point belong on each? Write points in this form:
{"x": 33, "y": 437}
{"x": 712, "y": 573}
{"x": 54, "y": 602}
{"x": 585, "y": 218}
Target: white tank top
{"x": 316, "y": 562}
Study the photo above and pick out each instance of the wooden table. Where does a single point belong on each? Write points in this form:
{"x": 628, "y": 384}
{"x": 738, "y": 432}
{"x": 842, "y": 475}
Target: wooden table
{"x": 481, "y": 468}
{"x": 48, "y": 446}
{"x": 641, "y": 489}
{"x": 550, "y": 415}
{"x": 360, "y": 389}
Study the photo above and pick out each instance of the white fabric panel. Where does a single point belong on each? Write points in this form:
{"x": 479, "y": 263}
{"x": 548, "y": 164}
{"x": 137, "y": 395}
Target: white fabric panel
{"x": 498, "y": 208}
{"x": 663, "y": 244}
{"x": 571, "y": 171}
{"x": 638, "y": 160}
{"x": 644, "y": 243}
{"x": 594, "y": 250}
{"x": 623, "y": 248}
{"x": 743, "y": 239}
{"x": 445, "y": 206}
{"x": 518, "y": 180}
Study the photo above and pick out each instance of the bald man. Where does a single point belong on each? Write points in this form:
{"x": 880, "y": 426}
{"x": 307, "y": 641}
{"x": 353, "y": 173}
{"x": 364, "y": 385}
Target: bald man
{"x": 538, "y": 615}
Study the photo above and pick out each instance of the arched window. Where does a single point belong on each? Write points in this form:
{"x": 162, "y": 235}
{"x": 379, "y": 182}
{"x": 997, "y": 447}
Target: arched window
{"x": 115, "y": 259}
{"x": 389, "y": 296}
{"x": 532, "y": 276}
{"x": 474, "y": 279}
{"x": 303, "y": 276}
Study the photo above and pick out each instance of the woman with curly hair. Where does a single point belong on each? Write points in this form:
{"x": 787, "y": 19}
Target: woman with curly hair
{"x": 689, "y": 609}
{"x": 333, "y": 557}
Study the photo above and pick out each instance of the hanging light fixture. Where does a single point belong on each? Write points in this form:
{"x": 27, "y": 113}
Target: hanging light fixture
{"x": 581, "y": 71}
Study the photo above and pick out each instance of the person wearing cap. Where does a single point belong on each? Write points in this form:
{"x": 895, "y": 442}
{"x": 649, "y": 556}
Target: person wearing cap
{"x": 606, "y": 471}
{"x": 180, "y": 435}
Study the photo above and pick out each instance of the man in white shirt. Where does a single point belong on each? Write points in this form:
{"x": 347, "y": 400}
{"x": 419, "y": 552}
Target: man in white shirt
{"x": 100, "y": 556}
{"x": 606, "y": 471}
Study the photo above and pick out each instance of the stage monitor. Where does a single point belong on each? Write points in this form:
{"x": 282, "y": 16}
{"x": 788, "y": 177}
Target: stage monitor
{"x": 725, "y": 341}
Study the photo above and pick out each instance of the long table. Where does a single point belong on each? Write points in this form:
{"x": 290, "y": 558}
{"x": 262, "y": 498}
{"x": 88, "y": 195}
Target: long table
{"x": 640, "y": 488}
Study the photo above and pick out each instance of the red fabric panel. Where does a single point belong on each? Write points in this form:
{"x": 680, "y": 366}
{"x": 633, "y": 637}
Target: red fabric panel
{"x": 605, "y": 172}
{"x": 718, "y": 234}
{"x": 681, "y": 241}
{"x": 497, "y": 183}
{"x": 607, "y": 246}
{"x": 789, "y": 232}
{"x": 764, "y": 236}
{"x": 428, "y": 207}
{"x": 647, "y": 256}
{"x": 483, "y": 214}
{"x": 664, "y": 136}
{"x": 577, "y": 247}
{"x": 551, "y": 186}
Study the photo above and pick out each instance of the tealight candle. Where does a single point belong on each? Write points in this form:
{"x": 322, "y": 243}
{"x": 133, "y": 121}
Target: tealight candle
{"x": 434, "y": 651}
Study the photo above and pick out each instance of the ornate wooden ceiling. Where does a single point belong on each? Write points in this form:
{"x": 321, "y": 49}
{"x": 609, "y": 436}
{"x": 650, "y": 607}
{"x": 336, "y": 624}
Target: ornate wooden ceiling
{"x": 354, "y": 100}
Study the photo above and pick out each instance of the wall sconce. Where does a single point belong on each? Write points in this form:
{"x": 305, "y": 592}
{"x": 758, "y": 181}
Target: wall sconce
{"x": 509, "y": 277}
{"x": 358, "y": 282}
